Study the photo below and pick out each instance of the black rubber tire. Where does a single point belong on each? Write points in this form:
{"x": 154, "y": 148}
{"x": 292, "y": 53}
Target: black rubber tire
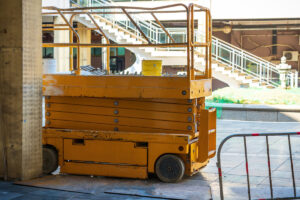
{"x": 169, "y": 168}
{"x": 50, "y": 160}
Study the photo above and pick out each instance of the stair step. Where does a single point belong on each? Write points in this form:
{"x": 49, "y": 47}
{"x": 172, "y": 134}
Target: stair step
{"x": 244, "y": 85}
{"x": 227, "y": 68}
{"x": 270, "y": 87}
{"x": 242, "y": 74}
{"x": 222, "y": 65}
{"x": 255, "y": 81}
{"x": 248, "y": 77}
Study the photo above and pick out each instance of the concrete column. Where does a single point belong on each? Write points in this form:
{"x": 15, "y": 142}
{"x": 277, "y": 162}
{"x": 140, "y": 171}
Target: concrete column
{"x": 85, "y": 53}
{"x": 20, "y": 89}
{"x": 61, "y": 54}
{"x": 104, "y": 55}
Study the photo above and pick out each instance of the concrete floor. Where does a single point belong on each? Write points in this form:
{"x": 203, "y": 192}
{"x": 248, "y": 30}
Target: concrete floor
{"x": 233, "y": 161}
{"x": 203, "y": 185}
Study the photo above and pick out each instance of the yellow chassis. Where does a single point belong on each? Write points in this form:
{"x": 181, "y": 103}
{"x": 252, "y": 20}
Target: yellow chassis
{"x": 120, "y": 154}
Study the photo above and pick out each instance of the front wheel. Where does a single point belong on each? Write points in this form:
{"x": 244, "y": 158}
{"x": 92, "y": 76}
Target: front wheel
{"x": 169, "y": 168}
{"x": 50, "y": 160}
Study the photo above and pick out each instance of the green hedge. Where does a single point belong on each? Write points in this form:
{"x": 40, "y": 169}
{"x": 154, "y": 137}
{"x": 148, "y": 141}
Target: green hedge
{"x": 256, "y": 96}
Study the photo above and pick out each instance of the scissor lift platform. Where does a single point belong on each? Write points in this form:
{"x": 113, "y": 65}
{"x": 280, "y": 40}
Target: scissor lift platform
{"x": 126, "y": 86}
{"x": 130, "y": 125}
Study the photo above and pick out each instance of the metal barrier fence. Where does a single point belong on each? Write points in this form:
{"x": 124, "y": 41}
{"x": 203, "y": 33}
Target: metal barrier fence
{"x": 266, "y": 135}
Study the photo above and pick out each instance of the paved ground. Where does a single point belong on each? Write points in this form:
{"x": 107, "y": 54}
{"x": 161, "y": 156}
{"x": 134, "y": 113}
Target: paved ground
{"x": 201, "y": 186}
{"x": 233, "y": 161}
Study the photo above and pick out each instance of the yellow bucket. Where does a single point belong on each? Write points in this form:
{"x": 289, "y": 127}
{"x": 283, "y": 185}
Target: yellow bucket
{"x": 152, "y": 67}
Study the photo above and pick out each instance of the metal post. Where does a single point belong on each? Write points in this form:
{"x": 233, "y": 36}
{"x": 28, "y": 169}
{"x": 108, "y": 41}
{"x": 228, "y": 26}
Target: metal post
{"x": 292, "y": 165}
{"x": 242, "y": 61}
{"x": 247, "y": 167}
{"x": 217, "y": 49}
{"x": 268, "y": 73}
{"x": 220, "y": 179}
{"x": 230, "y": 59}
{"x": 291, "y": 78}
{"x": 233, "y": 59}
{"x": 296, "y": 79}
{"x": 260, "y": 72}
{"x": 269, "y": 167}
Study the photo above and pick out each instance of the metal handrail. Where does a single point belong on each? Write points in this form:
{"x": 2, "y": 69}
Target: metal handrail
{"x": 153, "y": 29}
{"x": 266, "y": 135}
{"x": 262, "y": 70}
{"x": 239, "y": 59}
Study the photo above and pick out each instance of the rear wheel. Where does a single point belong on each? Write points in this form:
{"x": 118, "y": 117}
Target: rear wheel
{"x": 50, "y": 160}
{"x": 169, "y": 168}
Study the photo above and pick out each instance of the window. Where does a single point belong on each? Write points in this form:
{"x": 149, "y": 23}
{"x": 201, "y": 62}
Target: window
{"x": 74, "y": 53}
{"x": 113, "y": 52}
{"x": 121, "y": 51}
{"x": 96, "y": 52}
{"x": 48, "y": 52}
{"x": 117, "y": 51}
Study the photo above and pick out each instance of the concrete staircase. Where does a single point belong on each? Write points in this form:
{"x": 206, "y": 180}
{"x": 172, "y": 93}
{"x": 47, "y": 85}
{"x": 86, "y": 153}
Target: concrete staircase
{"x": 234, "y": 77}
{"x": 118, "y": 34}
{"x": 233, "y": 69}
{"x": 224, "y": 72}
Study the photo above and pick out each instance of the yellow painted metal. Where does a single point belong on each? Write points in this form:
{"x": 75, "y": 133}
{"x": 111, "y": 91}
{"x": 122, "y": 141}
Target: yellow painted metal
{"x": 107, "y": 127}
{"x": 161, "y": 115}
{"x": 152, "y": 67}
{"x": 60, "y": 134}
{"x": 207, "y": 135}
{"x": 124, "y": 121}
{"x": 121, "y": 112}
{"x": 161, "y": 105}
{"x": 105, "y": 170}
{"x": 125, "y": 86}
{"x": 194, "y": 151}
{"x": 99, "y": 148}
{"x": 114, "y": 152}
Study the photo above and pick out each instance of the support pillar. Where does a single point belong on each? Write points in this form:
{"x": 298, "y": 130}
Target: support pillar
{"x": 104, "y": 55}
{"x": 61, "y": 54}
{"x": 20, "y": 89}
{"x": 86, "y": 38}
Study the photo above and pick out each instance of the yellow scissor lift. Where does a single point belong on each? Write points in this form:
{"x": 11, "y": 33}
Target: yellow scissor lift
{"x": 130, "y": 125}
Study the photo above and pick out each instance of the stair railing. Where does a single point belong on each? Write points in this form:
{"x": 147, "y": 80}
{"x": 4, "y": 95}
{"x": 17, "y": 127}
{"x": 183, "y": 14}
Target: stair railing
{"x": 151, "y": 29}
{"x": 223, "y": 52}
{"x": 245, "y": 62}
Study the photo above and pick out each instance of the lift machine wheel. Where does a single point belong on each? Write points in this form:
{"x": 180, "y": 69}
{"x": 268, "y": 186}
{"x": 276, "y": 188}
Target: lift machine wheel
{"x": 50, "y": 160}
{"x": 169, "y": 168}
